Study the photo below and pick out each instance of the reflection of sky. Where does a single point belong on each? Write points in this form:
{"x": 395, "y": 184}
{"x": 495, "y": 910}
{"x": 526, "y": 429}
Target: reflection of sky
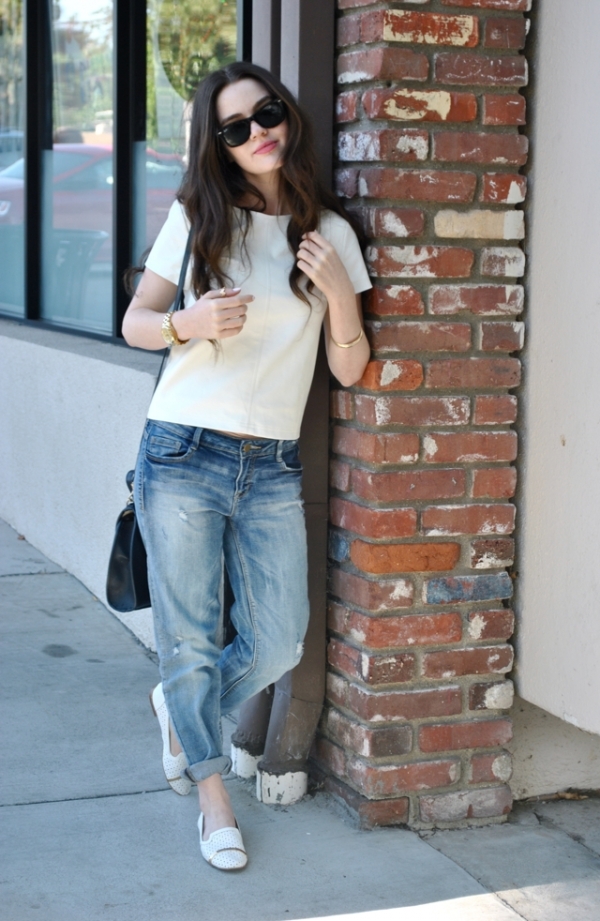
{"x": 89, "y": 11}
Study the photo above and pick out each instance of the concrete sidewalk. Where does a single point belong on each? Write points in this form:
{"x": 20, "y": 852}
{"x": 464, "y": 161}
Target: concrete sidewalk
{"x": 90, "y": 829}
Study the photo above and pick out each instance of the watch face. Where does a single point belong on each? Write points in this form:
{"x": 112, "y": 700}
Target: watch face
{"x": 167, "y": 330}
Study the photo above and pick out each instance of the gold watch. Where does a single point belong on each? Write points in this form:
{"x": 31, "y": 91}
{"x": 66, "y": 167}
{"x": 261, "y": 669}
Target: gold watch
{"x": 168, "y": 331}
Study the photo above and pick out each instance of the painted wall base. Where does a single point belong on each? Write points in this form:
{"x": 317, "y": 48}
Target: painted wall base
{"x": 243, "y": 763}
{"x": 281, "y": 789}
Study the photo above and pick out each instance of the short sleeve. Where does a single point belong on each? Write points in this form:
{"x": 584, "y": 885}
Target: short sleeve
{"x": 167, "y": 253}
{"x": 348, "y": 249}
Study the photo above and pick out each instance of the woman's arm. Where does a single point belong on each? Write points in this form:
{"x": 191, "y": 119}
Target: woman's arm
{"x": 318, "y": 259}
{"x": 216, "y": 315}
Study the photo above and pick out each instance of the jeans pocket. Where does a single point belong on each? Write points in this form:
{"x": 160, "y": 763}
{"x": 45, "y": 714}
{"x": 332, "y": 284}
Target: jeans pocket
{"x": 168, "y": 442}
{"x": 290, "y": 460}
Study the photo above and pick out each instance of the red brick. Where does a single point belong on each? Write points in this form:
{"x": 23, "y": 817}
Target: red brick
{"x": 494, "y": 483}
{"x": 376, "y": 449}
{"x": 490, "y": 768}
{"x": 507, "y": 32}
{"x": 420, "y": 105}
{"x": 413, "y": 411}
{"x": 382, "y": 64}
{"x": 416, "y": 185}
{"x": 339, "y": 475}
{"x": 411, "y": 485}
{"x": 481, "y": 300}
{"x": 389, "y": 632}
{"x": 382, "y": 595}
{"x": 369, "y": 813}
{"x": 481, "y": 69}
{"x": 346, "y": 182}
{"x": 420, "y": 337}
{"x": 390, "y": 780}
{"x": 453, "y": 447}
{"x": 398, "y": 374}
{"x": 392, "y": 706}
{"x": 503, "y": 260}
{"x": 348, "y": 31}
{"x": 473, "y": 372}
{"x": 503, "y": 188}
{"x": 509, "y": 109}
{"x": 374, "y": 523}
{"x": 394, "y": 300}
{"x": 342, "y": 404}
{"x": 454, "y": 663}
{"x": 372, "y": 669}
{"x": 387, "y": 742}
{"x": 502, "y": 337}
{"x": 508, "y": 5}
{"x": 475, "y": 734}
{"x": 467, "y": 804}
{"x": 391, "y": 222}
{"x": 495, "y": 410}
{"x": 477, "y": 147}
{"x": 491, "y": 695}
{"x": 423, "y": 28}
{"x": 388, "y": 558}
{"x": 420, "y": 261}
{"x": 492, "y": 554}
{"x": 348, "y": 4}
{"x": 491, "y": 625}
{"x": 346, "y": 108}
{"x": 468, "y": 519}
{"x": 388, "y": 144}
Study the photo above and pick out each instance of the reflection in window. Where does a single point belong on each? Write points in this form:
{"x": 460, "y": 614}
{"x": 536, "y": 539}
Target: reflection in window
{"x": 78, "y": 172}
{"x": 12, "y": 126}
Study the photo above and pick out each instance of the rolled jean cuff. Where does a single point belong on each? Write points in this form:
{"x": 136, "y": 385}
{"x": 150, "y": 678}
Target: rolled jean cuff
{"x": 203, "y": 769}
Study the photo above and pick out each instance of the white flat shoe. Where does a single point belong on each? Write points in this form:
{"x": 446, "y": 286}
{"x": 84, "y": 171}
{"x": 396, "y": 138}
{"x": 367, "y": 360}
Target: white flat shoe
{"x": 224, "y": 849}
{"x": 173, "y": 765}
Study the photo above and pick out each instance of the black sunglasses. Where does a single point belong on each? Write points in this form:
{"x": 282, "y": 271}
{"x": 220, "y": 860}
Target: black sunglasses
{"x": 268, "y": 116}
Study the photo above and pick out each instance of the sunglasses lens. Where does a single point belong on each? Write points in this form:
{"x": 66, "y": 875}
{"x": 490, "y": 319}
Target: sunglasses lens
{"x": 269, "y": 116}
{"x": 236, "y": 134}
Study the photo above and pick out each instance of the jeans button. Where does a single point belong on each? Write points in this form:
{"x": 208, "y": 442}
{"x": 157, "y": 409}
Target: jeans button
{"x": 247, "y": 448}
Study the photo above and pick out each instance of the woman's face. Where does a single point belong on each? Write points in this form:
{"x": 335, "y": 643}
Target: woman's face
{"x": 263, "y": 151}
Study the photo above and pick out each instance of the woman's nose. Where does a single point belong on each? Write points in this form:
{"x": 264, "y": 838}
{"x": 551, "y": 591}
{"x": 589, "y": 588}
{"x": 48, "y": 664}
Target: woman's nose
{"x": 255, "y": 129}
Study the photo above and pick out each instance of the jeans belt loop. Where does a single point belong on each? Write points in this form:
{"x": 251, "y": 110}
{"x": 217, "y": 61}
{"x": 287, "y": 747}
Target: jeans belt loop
{"x": 280, "y": 445}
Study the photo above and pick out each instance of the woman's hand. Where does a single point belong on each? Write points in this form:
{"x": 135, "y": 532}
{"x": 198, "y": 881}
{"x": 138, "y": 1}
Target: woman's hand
{"x": 318, "y": 259}
{"x": 216, "y": 315}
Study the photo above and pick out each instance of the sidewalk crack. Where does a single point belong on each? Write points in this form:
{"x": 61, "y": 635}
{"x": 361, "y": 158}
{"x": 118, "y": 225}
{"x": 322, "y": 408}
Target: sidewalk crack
{"x": 578, "y": 839}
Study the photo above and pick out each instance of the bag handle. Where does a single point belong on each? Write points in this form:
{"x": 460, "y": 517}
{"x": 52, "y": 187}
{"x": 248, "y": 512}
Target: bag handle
{"x": 178, "y": 303}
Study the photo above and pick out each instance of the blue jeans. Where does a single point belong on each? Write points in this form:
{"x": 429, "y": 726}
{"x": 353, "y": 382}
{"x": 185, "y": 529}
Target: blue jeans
{"x": 203, "y": 500}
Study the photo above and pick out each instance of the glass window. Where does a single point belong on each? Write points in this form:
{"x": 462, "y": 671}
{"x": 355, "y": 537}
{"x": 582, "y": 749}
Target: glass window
{"x": 12, "y": 126}
{"x": 77, "y": 202}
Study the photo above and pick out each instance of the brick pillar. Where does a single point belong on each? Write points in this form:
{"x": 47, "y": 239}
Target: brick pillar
{"x": 430, "y": 150}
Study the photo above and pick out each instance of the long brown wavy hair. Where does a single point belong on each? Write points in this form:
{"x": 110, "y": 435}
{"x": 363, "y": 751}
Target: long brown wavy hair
{"x": 214, "y": 184}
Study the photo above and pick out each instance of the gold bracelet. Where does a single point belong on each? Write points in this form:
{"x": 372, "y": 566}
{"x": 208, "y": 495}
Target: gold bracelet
{"x": 347, "y": 345}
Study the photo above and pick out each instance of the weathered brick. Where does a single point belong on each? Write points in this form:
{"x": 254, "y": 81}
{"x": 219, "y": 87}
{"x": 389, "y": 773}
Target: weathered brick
{"x": 413, "y": 411}
{"x": 382, "y": 595}
{"x": 420, "y": 105}
{"x": 348, "y": 31}
{"x": 374, "y": 523}
{"x": 382, "y": 64}
{"x": 468, "y": 804}
{"x": 507, "y": 32}
{"x": 503, "y": 260}
{"x": 391, "y": 780}
{"x": 389, "y": 144}
{"x": 502, "y": 337}
{"x": 393, "y": 222}
{"x": 372, "y": 669}
{"x": 480, "y": 69}
{"x": 467, "y": 588}
{"x": 386, "y": 742}
{"x": 411, "y": 485}
{"x": 475, "y": 734}
{"x": 392, "y": 705}
{"x": 416, "y": 185}
{"x": 342, "y": 404}
{"x": 500, "y": 409}
{"x": 496, "y": 695}
{"x": 503, "y": 188}
{"x": 441, "y": 520}
{"x": 349, "y": 4}
{"x": 390, "y": 631}
{"x": 332, "y": 755}
{"x": 478, "y": 147}
{"x": 491, "y": 625}
{"x": 494, "y": 483}
{"x": 393, "y": 374}
{"x": 507, "y": 109}
{"x": 480, "y": 224}
{"x": 422, "y": 28}
{"x": 420, "y": 337}
{"x": 450, "y": 447}
{"x": 473, "y": 372}
{"x": 388, "y": 558}
{"x": 339, "y": 476}
{"x": 492, "y": 554}
{"x": 346, "y": 182}
{"x": 454, "y": 663}
{"x": 346, "y": 107}
{"x": 374, "y": 448}
{"x": 481, "y": 300}
{"x": 420, "y": 261}
{"x": 491, "y": 768}
{"x": 394, "y": 300}
{"x": 338, "y": 546}
{"x": 508, "y": 5}
{"x": 369, "y": 813}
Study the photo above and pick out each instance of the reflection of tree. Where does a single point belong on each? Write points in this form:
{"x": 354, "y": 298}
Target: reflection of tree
{"x": 11, "y": 65}
{"x": 82, "y": 62}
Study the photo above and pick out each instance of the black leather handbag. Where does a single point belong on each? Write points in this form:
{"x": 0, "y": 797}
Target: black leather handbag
{"x": 127, "y": 578}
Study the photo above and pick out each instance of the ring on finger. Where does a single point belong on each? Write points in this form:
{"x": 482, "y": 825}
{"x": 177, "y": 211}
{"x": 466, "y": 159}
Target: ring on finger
{"x": 222, "y": 292}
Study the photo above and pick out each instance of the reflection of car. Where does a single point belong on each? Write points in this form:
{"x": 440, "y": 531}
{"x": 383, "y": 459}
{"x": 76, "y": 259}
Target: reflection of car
{"x": 82, "y": 190}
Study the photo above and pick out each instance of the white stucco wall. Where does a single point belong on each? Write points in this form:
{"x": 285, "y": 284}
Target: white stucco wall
{"x": 559, "y": 581}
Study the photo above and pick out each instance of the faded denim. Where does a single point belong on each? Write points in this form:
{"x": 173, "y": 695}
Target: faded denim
{"x": 203, "y": 498}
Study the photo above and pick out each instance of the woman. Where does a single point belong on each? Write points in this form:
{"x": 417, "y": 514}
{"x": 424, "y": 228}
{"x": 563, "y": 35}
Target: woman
{"x": 218, "y": 476}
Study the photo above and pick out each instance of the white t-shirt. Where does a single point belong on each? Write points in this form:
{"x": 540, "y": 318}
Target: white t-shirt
{"x": 257, "y": 382}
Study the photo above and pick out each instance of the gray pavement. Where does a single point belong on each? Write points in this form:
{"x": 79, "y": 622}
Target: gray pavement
{"x": 90, "y": 829}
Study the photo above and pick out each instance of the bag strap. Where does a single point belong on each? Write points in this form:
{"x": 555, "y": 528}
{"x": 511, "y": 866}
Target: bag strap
{"x": 178, "y": 303}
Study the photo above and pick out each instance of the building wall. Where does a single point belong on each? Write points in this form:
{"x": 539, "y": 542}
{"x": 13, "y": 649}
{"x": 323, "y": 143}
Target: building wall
{"x": 430, "y": 149}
